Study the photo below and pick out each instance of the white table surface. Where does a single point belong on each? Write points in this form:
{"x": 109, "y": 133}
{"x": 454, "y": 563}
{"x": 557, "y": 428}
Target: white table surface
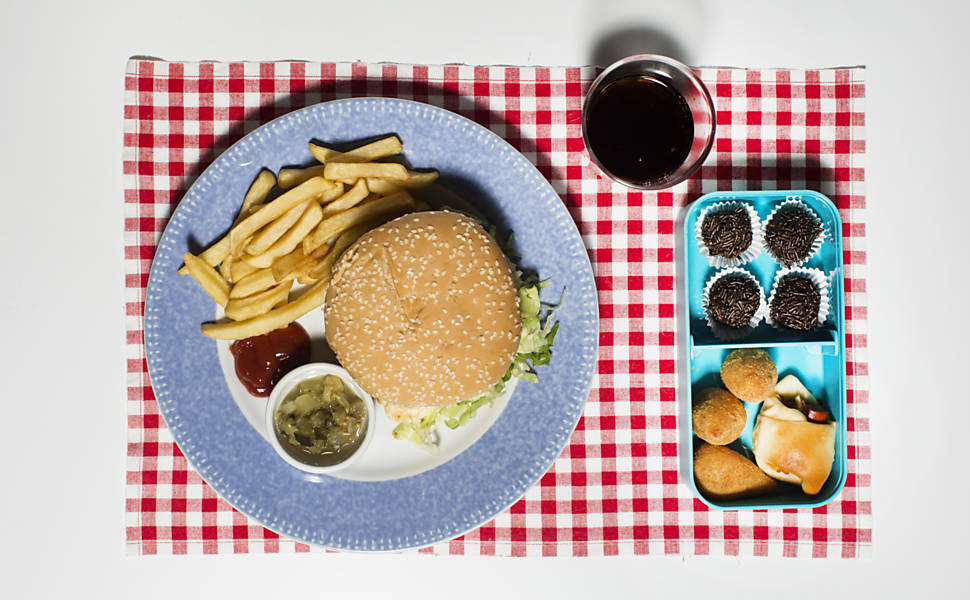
{"x": 61, "y": 305}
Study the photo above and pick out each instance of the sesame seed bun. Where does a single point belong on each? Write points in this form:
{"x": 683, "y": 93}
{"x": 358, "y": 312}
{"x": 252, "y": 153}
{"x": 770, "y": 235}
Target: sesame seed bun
{"x": 423, "y": 312}
{"x": 749, "y": 374}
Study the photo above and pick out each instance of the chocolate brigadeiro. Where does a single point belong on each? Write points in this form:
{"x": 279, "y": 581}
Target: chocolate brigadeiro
{"x": 733, "y": 300}
{"x": 727, "y": 233}
{"x": 790, "y": 233}
{"x": 795, "y": 303}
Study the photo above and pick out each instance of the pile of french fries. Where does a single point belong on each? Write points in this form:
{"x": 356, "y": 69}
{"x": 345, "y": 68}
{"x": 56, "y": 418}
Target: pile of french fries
{"x": 300, "y": 234}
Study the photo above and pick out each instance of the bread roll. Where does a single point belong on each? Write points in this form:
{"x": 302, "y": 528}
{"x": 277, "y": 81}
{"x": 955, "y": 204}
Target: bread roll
{"x": 749, "y": 374}
{"x": 423, "y": 312}
{"x": 718, "y": 417}
{"x": 723, "y": 474}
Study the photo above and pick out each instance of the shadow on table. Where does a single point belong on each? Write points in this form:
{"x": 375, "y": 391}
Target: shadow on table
{"x": 629, "y": 40}
{"x": 762, "y": 172}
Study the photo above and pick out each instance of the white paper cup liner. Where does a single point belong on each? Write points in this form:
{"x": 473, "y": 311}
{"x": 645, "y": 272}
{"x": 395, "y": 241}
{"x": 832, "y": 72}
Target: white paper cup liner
{"x": 757, "y": 235}
{"x": 819, "y": 239}
{"x": 821, "y": 281}
{"x": 724, "y": 332}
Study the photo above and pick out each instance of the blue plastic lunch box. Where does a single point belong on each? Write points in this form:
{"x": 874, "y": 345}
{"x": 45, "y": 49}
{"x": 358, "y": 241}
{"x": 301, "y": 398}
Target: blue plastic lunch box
{"x": 817, "y": 358}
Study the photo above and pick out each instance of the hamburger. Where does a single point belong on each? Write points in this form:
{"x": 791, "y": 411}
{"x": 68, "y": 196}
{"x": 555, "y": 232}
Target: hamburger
{"x": 427, "y": 313}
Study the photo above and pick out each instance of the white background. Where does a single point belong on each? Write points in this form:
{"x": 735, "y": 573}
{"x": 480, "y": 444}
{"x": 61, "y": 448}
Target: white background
{"x": 61, "y": 297}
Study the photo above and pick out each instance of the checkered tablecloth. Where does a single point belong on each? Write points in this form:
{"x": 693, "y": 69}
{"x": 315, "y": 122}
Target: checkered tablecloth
{"x": 616, "y": 488}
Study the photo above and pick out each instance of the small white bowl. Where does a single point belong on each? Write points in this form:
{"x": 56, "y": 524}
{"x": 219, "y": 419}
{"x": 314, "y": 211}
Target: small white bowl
{"x": 287, "y": 383}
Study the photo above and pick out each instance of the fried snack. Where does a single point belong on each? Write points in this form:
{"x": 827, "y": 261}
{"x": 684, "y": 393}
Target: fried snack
{"x": 415, "y": 180}
{"x": 273, "y": 244}
{"x": 271, "y": 211}
{"x": 383, "y": 186}
{"x": 256, "y": 195}
{"x": 225, "y": 267}
{"x": 789, "y": 447}
{"x": 297, "y": 262}
{"x": 323, "y": 266}
{"x": 723, "y": 474}
{"x": 333, "y": 226}
{"x": 281, "y": 316}
{"x": 351, "y": 198}
{"x": 368, "y": 152}
{"x": 239, "y": 309}
{"x": 268, "y": 235}
{"x": 749, "y": 374}
{"x": 242, "y": 231}
{"x": 349, "y": 170}
{"x": 291, "y": 239}
{"x": 321, "y": 153}
{"x": 239, "y": 269}
{"x": 292, "y": 177}
{"x": 257, "y": 281}
{"x": 718, "y": 416}
{"x": 208, "y": 278}
{"x": 332, "y": 194}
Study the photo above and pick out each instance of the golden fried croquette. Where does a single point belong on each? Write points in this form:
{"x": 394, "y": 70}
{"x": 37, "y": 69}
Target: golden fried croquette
{"x": 718, "y": 416}
{"x": 749, "y": 374}
{"x": 723, "y": 474}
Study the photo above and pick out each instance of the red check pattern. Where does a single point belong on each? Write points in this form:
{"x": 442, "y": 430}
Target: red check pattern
{"x": 615, "y": 489}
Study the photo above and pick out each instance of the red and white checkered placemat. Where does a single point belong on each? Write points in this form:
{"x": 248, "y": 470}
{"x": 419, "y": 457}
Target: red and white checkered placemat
{"x": 615, "y": 489}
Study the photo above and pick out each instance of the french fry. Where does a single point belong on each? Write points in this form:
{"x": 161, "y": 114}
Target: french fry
{"x": 286, "y": 264}
{"x": 368, "y": 152}
{"x": 240, "y": 309}
{"x": 256, "y": 195}
{"x": 213, "y": 255}
{"x": 256, "y": 281}
{"x": 353, "y": 197}
{"x": 393, "y": 171}
{"x": 332, "y": 194}
{"x": 225, "y": 268}
{"x": 415, "y": 180}
{"x": 239, "y": 269}
{"x": 419, "y": 179}
{"x": 273, "y": 244}
{"x": 291, "y": 177}
{"x": 270, "y": 211}
{"x": 334, "y": 225}
{"x": 383, "y": 186}
{"x": 208, "y": 278}
{"x": 312, "y": 215}
{"x": 324, "y": 265}
{"x": 268, "y": 235}
{"x": 280, "y": 316}
{"x": 297, "y": 262}
{"x": 321, "y": 153}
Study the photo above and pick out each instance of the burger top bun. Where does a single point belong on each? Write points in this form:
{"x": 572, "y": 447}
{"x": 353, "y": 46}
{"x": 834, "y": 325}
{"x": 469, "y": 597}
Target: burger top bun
{"x": 423, "y": 311}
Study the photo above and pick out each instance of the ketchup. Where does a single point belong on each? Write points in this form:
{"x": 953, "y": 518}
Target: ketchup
{"x": 262, "y": 360}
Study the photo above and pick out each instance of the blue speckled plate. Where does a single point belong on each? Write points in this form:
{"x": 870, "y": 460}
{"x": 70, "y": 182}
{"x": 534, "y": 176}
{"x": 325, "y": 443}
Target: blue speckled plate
{"x": 409, "y": 512}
